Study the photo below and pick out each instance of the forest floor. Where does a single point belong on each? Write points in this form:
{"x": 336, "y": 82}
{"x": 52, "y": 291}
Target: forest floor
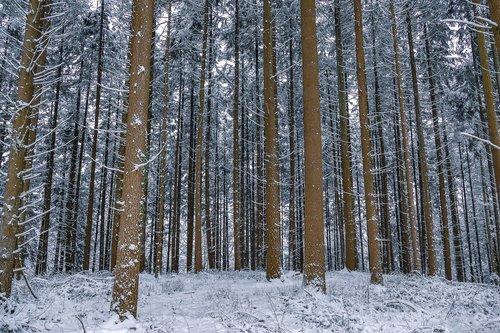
{"x": 246, "y": 302}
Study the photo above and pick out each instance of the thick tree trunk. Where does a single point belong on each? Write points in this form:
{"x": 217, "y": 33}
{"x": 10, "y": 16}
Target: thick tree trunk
{"x": 314, "y": 246}
{"x": 489, "y": 99}
{"x": 16, "y": 163}
{"x": 125, "y": 287}
{"x": 495, "y": 17}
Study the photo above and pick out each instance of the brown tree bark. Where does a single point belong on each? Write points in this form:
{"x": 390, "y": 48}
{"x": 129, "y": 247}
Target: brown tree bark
{"x": 236, "y": 144}
{"x": 347, "y": 183}
{"x": 16, "y": 162}
{"x": 208, "y": 218}
{"x": 455, "y": 221}
{"x": 314, "y": 246}
{"x": 93, "y": 154}
{"x": 158, "y": 239}
{"x": 198, "y": 253}
{"x": 406, "y": 150}
{"x": 125, "y": 287}
{"x": 495, "y": 17}
{"x": 489, "y": 99}
{"x": 424, "y": 174}
{"x": 439, "y": 156}
{"x": 42, "y": 254}
{"x": 370, "y": 200}
{"x": 292, "y": 237}
{"x": 272, "y": 201}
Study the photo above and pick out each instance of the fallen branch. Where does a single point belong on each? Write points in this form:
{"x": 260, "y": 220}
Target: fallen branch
{"x": 28, "y": 285}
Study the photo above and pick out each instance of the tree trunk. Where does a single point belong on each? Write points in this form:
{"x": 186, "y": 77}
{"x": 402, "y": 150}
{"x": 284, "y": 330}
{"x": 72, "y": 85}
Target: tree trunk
{"x": 41, "y": 264}
{"x": 439, "y": 155}
{"x": 406, "y": 150}
{"x": 198, "y": 253}
{"x": 93, "y": 154}
{"x": 347, "y": 183}
{"x": 272, "y": 202}
{"x": 158, "y": 239}
{"x": 125, "y": 287}
{"x": 455, "y": 221}
{"x": 236, "y": 143}
{"x": 495, "y": 17}
{"x": 16, "y": 162}
{"x": 490, "y": 109}
{"x": 314, "y": 246}
{"x": 370, "y": 200}
{"x": 424, "y": 174}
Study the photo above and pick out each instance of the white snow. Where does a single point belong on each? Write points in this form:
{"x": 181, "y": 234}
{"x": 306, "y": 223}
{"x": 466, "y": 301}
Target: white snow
{"x": 246, "y": 302}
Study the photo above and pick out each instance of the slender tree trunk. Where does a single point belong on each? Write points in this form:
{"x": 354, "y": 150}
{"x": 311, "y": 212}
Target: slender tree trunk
{"x": 158, "y": 239}
{"x": 370, "y": 200}
{"x": 93, "y": 154}
{"x": 175, "y": 229}
{"x": 406, "y": 150}
{"x": 424, "y": 174}
{"x": 104, "y": 171}
{"x": 236, "y": 143}
{"x": 198, "y": 253}
{"x": 125, "y": 287}
{"x": 292, "y": 237}
{"x": 41, "y": 265}
{"x": 272, "y": 202}
{"x": 439, "y": 155}
{"x": 191, "y": 181}
{"x": 347, "y": 183}
{"x": 466, "y": 216}
{"x": 208, "y": 218}
{"x": 118, "y": 206}
{"x": 403, "y": 197}
{"x": 476, "y": 230}
{"x": 386, "y": 232}
{"x": 455, "y": 221}
{"x": 70, "y": 203}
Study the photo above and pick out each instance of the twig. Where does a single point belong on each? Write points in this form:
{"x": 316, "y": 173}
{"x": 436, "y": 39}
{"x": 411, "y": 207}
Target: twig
{"x": 81, "y": 322}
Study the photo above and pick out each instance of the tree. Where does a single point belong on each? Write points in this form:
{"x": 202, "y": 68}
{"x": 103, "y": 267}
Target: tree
{"x": 16, "y": 163}
{"x": 406, "y": 148}
{"x": 272, "y": 196}
{"x": 127, "y": 266}
{"x": 90, "y": 206}
{"x": 198, "y": 264}
{"x": 347, "y": 183}
{"x": 424, "y": 174}
{"x": 161, "y": 202}
{"x": 495, "y": 16}
{"x": 314, "y": 246}
{"x": 236, "y": 143}
{"x": 370, "y": 200}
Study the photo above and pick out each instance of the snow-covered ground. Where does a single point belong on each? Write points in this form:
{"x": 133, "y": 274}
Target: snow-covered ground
{"x": 246, "y": 302}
